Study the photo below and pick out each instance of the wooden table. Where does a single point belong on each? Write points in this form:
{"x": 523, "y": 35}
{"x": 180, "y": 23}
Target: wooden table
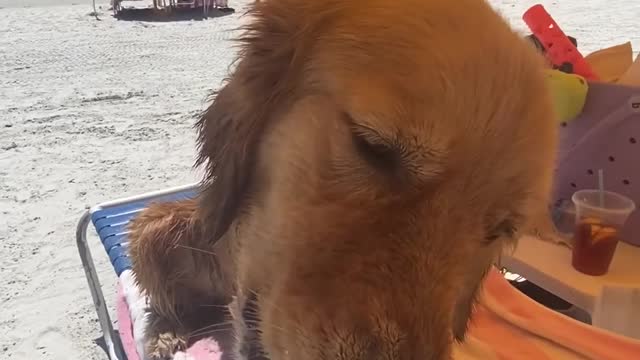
{"x": 612, "y": 300}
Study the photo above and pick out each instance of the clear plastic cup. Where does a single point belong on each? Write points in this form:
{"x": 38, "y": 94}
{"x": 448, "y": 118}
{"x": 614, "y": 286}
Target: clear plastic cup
{"x": 599, "y": 220}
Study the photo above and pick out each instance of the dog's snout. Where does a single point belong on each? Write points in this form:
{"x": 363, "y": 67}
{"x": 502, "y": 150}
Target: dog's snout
{"x": 389, "y": 333}
{"x": 377, "y": 346}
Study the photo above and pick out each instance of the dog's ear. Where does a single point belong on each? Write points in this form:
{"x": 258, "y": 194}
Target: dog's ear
{"x": 230, "y": 130}
{"x": 221, "y": 137}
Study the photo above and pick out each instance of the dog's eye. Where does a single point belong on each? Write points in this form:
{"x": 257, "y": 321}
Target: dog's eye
{"x": 376, "y": 151}
{"x": 505, "y": 228}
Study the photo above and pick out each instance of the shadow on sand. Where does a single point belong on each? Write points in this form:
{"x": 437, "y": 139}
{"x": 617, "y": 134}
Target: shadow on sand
{"x": 154, "y": 15}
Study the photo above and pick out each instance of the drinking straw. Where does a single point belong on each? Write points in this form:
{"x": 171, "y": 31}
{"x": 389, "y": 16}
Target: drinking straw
{"x": 601, "y": 186}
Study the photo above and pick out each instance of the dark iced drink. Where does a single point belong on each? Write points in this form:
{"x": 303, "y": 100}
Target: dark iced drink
{"x": 599, "y": 218}
{"x": 594, "y": 244}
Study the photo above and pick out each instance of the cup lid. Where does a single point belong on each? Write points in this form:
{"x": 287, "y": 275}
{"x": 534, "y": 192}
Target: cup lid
{"x": 613, "y": 202}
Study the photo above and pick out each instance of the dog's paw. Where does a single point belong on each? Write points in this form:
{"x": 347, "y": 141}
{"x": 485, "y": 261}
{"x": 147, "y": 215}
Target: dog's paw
{"x": 543, "y": 228}
{"x": 552, "y": 235}
{"x": 556, "y": 238}
{"x": 164, "y": 345}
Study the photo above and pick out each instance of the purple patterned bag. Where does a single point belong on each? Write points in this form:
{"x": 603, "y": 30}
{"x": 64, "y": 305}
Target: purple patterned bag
{"x": 605, "y": 136}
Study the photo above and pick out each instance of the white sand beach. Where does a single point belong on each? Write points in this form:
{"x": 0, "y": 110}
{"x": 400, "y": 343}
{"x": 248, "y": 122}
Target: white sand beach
{"x": 94, "y": 110}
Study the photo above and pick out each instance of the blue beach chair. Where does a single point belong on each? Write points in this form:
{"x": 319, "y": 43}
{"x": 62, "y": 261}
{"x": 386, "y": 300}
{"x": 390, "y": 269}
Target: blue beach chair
{"x": 110, "y": 221}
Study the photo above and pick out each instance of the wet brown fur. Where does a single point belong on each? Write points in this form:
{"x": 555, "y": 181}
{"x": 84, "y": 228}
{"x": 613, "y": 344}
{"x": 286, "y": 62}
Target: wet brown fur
{"x": 366, "y": 164}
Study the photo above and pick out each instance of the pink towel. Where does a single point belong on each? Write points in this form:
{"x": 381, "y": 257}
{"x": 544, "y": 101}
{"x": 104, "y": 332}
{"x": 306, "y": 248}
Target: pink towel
{"x": 515, "y": 327}
{"x": 204, "y": 349}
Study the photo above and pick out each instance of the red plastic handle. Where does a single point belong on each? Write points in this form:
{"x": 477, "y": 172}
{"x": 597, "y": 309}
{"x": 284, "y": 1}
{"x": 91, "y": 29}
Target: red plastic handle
{"x": 559, "y": 49}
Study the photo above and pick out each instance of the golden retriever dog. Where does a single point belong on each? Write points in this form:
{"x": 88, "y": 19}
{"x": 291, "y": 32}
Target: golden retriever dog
{"x": 367, "y": 161}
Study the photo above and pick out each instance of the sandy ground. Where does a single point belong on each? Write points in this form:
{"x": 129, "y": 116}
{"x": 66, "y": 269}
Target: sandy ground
{"x": 92, "y": 110}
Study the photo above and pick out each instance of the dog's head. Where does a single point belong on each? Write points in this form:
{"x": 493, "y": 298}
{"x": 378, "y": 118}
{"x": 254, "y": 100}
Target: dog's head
{"x": 373, "y": 157}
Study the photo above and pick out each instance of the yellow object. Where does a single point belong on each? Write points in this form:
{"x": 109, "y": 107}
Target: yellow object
{"x": 612, "y": 62}
{"x": 569, "y": 92}
{"x": 632, "y": 76}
